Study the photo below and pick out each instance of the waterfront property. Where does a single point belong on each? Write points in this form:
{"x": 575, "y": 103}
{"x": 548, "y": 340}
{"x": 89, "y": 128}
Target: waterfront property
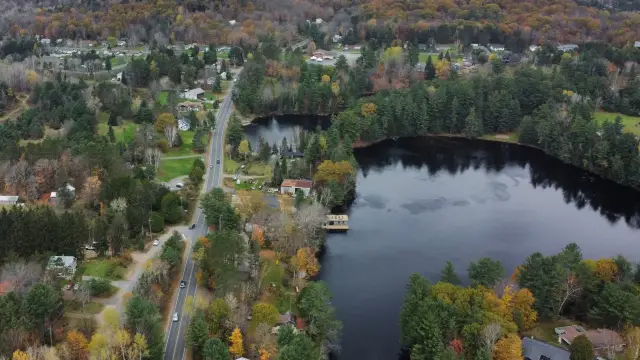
{"x": 290, "y": 186}
{"x": 603, "y": 340}
{"x": 336, "y": 223}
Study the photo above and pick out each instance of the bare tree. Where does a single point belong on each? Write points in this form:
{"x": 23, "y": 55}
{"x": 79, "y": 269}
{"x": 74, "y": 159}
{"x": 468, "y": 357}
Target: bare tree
{"x": 309, "y": 220}
{"x": 491, "y": 334}
{"x": 21, "y": 275}
{"x": 570, "y": 288}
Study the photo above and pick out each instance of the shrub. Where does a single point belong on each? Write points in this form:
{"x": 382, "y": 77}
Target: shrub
{"x": 163, "y": 144}
{"x": 157, "y": 222}
{"x": 98, "y": 287}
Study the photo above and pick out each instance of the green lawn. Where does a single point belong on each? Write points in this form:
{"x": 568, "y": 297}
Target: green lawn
{"x": 629, "y": 122}
{"x": 187, "y": 145}
{"x": 209, "y": 95}
{"x": 223, "y": 54}
{"x": 230, "y": 165}
{"x": 89, "y": 308}
{"x": 103, "y": 268}
{"x": 118, "y": 60}
{"x": 162, "y": 97}
{"x": 171, "y": 169}
{"x": 124, "y": 132}
{"x": 259, "y": 169}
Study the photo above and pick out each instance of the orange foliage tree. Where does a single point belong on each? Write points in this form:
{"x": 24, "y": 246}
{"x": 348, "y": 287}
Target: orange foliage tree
{"x": 508, "y": 348}
{"x": 305, "y": 260}
{"x": 258, "y": 234}
{"x": 78, "y": 345}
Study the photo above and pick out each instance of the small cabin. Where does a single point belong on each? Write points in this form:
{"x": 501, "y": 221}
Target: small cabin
{"x": 336, "y": 223}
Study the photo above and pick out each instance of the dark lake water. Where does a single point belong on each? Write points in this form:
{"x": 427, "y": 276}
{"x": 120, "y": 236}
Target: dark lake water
{"x": 274, "y": 129}
{"x": 421, "y": 202}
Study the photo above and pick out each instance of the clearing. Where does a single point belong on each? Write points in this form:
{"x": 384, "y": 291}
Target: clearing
{"x": 173, "y": 168}
{"x": 124, "y": 133}
{"x": 110, "y": 269}
{"x": 89, "y": 308}
{"x": 186, "y": 148}
{"x": 631, "y": 123}
{"x": 18, "y": 109}
{"x": 162, "y": 97}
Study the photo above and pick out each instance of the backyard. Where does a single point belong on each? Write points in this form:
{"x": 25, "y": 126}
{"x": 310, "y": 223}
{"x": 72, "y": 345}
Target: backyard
{"x": 631, "y": 123}
{"x": 123, "y": 133}
{"x": 186, "y": 148}
{"x": 106, "y": 268}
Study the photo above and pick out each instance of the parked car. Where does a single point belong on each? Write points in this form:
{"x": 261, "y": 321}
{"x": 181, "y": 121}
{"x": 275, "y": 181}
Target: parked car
{"x": 69, "y": 286}
{"x": 179, "y": 185}
{"x": 76, "y": 287}
{"x": 175, "y": 316}
{"x": 156, "y": 242}
{"x": 183, "y": 284}
{"x": 193, "y": 226}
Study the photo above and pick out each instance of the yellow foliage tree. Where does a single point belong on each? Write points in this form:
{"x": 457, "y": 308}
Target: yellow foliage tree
{"x": 325, "y": 78}
{"x": 243, "y": 149}
{"x": 78, "y": 345}
{"x": 335, "y": 88}
{"x": 632, "y": 343}
{"x": 98, "y": 345}
{"x": 522, "y": 303}
{"x": 392, "y": 53}
{"x": 606, "y": 269}
{"x": 368, "y": 109}
{"x": 20, "y": 355}
{"x": 236, "y": 348}
{"x": 32, "y": 77}
{"x": 336, "y": 171}
{"x": 250, "y": 202}
{"x": 111, "y": 318}
{"x": 508, "y": 348}
{"x": 442, "y": 69}
{"x": 164, "y": 121}
{"x": 305, "y": 260}
{"x": 264, "y": 354}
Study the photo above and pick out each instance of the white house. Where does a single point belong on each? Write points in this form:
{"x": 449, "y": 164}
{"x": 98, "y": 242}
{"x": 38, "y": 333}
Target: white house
{"x": 232, "y": 22}
{"x": 567, "y": 47}
{"x": 65, "y": 266}
{"x": 121, "y": 43}
{"x": 534, "y": 48}
{"x": 193, "y": 94}
{"x": 45, "y": 41}
{"x": 8, "y": 200}
{"x": 290, "y": 186}
{"x": 319, "y": 21}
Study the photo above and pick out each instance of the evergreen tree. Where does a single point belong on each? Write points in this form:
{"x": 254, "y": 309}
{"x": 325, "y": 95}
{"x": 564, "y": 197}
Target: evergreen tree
{"x": 217, "y": 85}
{"x": 113, "y": 119}
{"x": 430, "y": 345}
{"x": 417, "y": 293}
{"x": 211, "y": 119}
{"x": 413, "y": 55}
{"x": 314, "y": 151}
{"x": 278, "y": 177}
{"x": 429, "y": 70}
{"x": 112, "y": 135}
{"x": 473, "y": 125}
{"x": 449, "y": 275}
{"x": 447, "y": 56}
{"x": 581, "y": 349}
{"x": 440, "y": 56}
{"x": 107, "y": 64}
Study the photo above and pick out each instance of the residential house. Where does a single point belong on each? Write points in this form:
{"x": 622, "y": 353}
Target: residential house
{"x": 636, "y": 44}
{"x": 287, "y": 319}
{"x": 45, "y": 41}
{"x": 538, "y": 350}
{"x": 121, "y": 43}
{"x": 53, "y": 198}
{"x": 189, "y": 106}
{"x": 604, "y": 340}
{"x": 8, "y": 200}
{"x": 567, "y": 47}
{"x": 193, "y": 94}
{"x": 319, "y": 21}
{"x": 290, "y": 186}
{"x": 65, "y": 266}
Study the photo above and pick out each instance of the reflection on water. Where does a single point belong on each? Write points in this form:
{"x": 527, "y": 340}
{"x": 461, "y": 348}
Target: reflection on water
{"x": 274, "y": 129}
{"x": 421, "y": 202}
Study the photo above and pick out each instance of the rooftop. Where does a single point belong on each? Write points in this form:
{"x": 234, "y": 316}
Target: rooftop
{"x": 67, "y": 261}
{"x": 306, "y": 184}
{"x": 599, "y": 337}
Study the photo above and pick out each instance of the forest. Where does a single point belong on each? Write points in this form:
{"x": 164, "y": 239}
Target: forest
{"x": 487, "y": 319}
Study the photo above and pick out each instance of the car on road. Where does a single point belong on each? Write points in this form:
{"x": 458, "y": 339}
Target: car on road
{"x": 175, "y": 316}
{"x": 218, "y": 161}
{"x": 193, "y": 226}
{"x": 156, "y": 242}
{"x": 211, "y": 166}
{"x": 179, "y": 185}
{"x": 183, "y": 284}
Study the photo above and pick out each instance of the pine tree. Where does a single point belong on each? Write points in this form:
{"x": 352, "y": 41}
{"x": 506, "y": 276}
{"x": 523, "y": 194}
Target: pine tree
{"x": 112, "y": 135}
{"x": 449, "y": 275}
{"x": 473, "y": 125}
{"x": 107, "y": 64}
{"x": 453, "y": 119}
{"x": 429, "y": 69}
{"x": 440, "y": 56}
{"x": 447, "y": 56}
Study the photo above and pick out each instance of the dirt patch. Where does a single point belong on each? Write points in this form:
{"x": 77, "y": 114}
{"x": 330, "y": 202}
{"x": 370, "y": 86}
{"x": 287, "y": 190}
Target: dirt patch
{"x": 268, "y": 255}
{"x": 501, "y": 136}
{"x": 18, "y": 109}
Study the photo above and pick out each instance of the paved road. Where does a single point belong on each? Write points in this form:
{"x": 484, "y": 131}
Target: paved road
{"x": 175, "y": 347}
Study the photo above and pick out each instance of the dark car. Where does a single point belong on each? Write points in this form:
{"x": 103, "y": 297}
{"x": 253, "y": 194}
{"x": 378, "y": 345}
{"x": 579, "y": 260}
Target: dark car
{"x": 218, "y": 161}
{"x": 193, "y": 226}
{"x": 183, "y": 284}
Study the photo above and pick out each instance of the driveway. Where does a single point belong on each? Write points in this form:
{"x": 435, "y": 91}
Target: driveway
{"x": 135, "y": 271}
{"x": 171, "y": 184}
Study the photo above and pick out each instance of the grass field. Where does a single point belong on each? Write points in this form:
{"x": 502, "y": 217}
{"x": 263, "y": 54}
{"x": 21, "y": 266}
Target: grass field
{"x": 629, "y": 122}
{"x": 118, "y": 60}
{"x": 171, "y": 169}
{"x": 210, "y": 95}
{"x": 89, "y": 308}
{"x": 186, "y": 148}
{"x": 162, "y": 97}
{"x": 230, "y": 165}
{"x": 124, "y": 132}
{"x": 103, "y": 268}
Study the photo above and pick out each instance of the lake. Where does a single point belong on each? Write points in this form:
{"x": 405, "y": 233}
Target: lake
{"x": 423, "y": 201}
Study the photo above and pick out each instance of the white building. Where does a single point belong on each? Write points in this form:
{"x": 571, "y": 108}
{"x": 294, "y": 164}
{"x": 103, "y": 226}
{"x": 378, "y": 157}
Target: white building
{"x": 290, "y": 186}
{"x": 65, "y": 266}
{"x": 45, "y": 41}
{"x": 8, "y": 200}
{"x": 534, "y": 48}
{"x": 193, "y": 94}
{"x": 319, "y": 21}
{"x": 232, "y": 22}
{"x": 121, "y": 43}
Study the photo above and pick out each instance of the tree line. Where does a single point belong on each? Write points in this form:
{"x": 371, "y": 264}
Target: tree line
{"x": 483, "y": 321}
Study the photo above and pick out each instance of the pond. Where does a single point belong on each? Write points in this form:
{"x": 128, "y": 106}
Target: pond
{"x": 275, "y": 129}
{"x": 423, "y": 201}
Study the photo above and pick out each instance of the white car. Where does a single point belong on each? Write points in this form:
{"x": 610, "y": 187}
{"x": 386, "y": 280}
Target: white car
{"x": 175, "y": 316}
{"x": 156, "y": 242}
{"x": 179, "y": 185}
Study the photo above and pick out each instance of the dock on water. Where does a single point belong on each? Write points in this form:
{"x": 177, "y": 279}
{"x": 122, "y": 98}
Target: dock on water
{"x": 336, "y": 223}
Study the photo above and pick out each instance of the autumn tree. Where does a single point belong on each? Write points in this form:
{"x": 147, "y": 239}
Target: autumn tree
{"x": 522, "y": 308}
{"x": 166, "y": 124}
{"x": 368, "y": 109}
{"x": 249, "y": 203}
{"x": 305, "y": 262}
{"x": 333, "y": 171}
{"x": 632, "y": 343}
{"x": 78, "y": 346}
{"x": 508, "y": 348}
{"x": 264, "y": 313}
{"x": 236, "y": 348}
{"x": 243, "y": 149}
{"x": 258, "y": 234}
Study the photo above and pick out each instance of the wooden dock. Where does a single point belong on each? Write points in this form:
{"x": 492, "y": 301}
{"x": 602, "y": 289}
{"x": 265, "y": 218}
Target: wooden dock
{"x": 336, "y": 223}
